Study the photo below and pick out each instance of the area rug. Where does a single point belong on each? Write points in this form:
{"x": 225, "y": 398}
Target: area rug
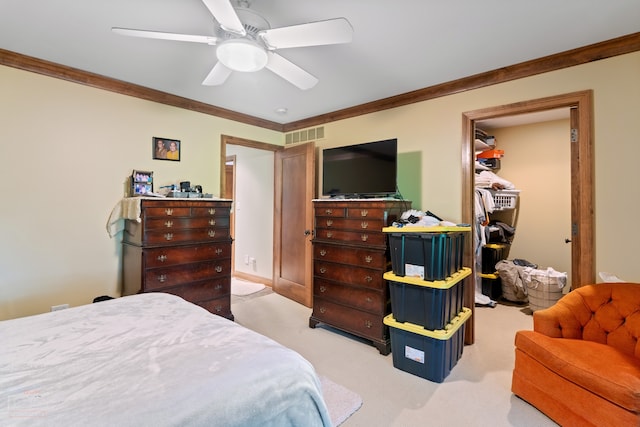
{"x": 341, "y": 402}
{"x": 241, "y": 287}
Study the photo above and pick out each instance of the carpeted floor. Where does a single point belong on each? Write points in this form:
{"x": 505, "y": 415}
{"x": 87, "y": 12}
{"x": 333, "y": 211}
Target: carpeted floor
{"x": 476, "y": 392}
{"x": 241, "y": 287}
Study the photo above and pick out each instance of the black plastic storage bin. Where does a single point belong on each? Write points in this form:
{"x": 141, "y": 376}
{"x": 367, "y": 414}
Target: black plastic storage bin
{"x": 430, "y": 253}
{"x": 431, "y": 305}
{"x": 427, "y": 354}
{"x": 492, "y": 253}
{"x": 491, "y": 286}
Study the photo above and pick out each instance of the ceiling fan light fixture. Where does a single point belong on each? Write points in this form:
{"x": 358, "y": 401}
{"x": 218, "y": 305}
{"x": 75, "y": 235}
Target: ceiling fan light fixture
{"x": 242, "y": 55}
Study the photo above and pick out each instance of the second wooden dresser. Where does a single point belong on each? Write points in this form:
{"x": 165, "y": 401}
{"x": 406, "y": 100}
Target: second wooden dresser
{"x": 350, "y": 256}
{"x": 182, "y": 247}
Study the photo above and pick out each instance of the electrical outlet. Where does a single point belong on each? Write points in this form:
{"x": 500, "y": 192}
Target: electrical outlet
{"x": 59, "y": 307}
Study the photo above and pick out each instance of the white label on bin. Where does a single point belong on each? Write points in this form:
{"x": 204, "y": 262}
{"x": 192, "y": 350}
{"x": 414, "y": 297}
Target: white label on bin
{"x": 411, "y": 270}
{"x": 414, "y": 354}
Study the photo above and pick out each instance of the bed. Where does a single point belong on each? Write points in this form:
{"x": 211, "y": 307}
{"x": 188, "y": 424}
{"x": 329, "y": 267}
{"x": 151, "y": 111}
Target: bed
{"x": 150, "y": 359}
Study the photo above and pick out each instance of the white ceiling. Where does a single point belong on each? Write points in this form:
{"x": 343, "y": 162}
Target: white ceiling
{"x": 398, "y": 46}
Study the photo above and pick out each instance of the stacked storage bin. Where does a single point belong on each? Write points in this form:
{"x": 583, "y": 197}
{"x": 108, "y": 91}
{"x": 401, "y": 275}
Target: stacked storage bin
{"x": 492, "y": 253}
{"x": 427, "y": 292}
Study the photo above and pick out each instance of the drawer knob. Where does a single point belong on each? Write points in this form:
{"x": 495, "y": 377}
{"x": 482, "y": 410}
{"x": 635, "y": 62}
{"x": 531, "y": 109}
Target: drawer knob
{"x": 168, "y": 236}
{"x": 168, "y": 211}
{"x": 212, "y": 233}
{"x": 168, "y": 224}
{"x": 329, "y": 212}
{"x": 364, "y": 237}
{"x": 368, "y": 259}
{"x": 218, "y": 308}
{"x": 368, "y": 300}
{"x": 368, "y": 324}
{"x": 162, "y": 278}
{"x": 323, "y": 289}
{"x": 323, "y": 310}
{"x": 364, "y": 225}
{"x": 329, "y": 234}
{"x": 218, "y": 251}
{"x": 323, "y": 252}
{"x": 329, "y": 222}
{"x": 368, "y": 279}
{"x": 212, "y": 211}
{"x": 212, "y": 222}
{"x": 323, "y": 270}
{"x": 218, "y": 287}
{"x": 162, "y": 258}
{"x": 218, "y": 269}
{"x": 364, "y": 212}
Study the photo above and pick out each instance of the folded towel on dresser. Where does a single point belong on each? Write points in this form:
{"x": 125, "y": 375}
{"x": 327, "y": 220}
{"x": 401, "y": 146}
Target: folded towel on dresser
{"x": 127, "y": 208}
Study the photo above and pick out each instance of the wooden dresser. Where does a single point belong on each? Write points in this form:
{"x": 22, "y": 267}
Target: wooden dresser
{"x": 182, "y": 247}
{"x": 350, "y": 256}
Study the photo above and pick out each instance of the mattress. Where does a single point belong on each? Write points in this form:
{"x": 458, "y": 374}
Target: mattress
{"x": 150, "y": 359}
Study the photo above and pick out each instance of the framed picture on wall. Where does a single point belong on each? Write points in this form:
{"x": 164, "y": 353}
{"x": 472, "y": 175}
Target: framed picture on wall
{"x": 166, "y": 149}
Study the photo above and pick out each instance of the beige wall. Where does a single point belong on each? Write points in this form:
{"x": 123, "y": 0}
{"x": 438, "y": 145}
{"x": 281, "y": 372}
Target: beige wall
{"x": 537, "y": 160}
{"x": 434, "y": 129}
{"x": 67, "y": 149}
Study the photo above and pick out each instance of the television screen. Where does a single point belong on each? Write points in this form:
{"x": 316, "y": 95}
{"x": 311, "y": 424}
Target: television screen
{"x": 361, "y": 170}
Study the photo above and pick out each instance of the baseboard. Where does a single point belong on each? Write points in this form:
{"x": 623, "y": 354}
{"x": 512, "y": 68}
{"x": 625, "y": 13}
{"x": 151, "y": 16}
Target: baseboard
{"x": 253, "y": 278}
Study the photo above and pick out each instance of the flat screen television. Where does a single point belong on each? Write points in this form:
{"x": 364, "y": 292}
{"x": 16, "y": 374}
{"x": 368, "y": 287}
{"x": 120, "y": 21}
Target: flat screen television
{"x": 360, "y": 170}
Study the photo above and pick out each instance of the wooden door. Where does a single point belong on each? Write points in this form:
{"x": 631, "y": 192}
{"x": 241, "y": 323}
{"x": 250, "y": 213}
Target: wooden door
{"x": 295, "y": 189}
{"x": 230, "y": 193}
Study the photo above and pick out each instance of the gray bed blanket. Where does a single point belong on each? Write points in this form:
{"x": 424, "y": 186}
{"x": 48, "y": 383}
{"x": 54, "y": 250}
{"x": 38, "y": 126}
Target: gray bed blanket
{"x": 150, "y": 360}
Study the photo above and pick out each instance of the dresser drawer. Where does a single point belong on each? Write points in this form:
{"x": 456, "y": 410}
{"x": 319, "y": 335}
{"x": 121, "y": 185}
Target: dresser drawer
{"x": 349, "y": 274}
{"x": 219, "y": 306}
{"x": 351, "y": 224}
{"x": 173, "y": 237}
{"x": 370, "y": 238}
{"x": 165, "y": 211}
{"x": 350, "y": 255}
{"x": 361, "y": 323}
{"x": 179, "y": 223}
{"x": 202, "y": 291}
{"x": 367, "y": 299}
{"x": 367, "y": 213}
{"x": 330, "y": 211}
{"x": 173, "y": 255}
{"x": 166, "y": 277}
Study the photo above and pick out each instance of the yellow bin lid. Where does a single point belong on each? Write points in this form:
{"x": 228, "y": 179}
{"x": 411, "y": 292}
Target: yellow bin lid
{"x": 438, "y": 284}
{"x": 439, "y": 334}
{"x": 434, "y": 229}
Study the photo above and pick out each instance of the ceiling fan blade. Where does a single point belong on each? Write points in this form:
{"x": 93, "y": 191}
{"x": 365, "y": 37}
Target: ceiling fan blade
{"x": 217, "y": 75}
{"x": 165, "y": 36}
{"x": 290, "y": 72}
{"x": 332, "y": 31}
{"x": 226, "y": 16}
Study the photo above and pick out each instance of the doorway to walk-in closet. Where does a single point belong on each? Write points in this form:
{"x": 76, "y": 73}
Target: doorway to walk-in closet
{"x": 579, "y": 140}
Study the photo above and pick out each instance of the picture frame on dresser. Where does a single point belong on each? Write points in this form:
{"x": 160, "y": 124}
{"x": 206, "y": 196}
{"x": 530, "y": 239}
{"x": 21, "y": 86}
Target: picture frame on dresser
{"x": 165, "y": 149}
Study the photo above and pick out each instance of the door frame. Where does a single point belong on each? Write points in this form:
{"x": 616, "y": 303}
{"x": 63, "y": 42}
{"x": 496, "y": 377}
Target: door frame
{"x": 233, "y": 140}
{"x": 582, "y": 182}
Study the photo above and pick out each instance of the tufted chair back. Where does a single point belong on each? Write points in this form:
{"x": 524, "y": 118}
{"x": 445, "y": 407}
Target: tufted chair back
{"x": 608, "y": 313}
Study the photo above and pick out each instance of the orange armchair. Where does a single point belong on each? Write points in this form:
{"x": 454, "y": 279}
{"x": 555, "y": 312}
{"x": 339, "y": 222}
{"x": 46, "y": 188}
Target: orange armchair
{"x": 581, "y": 363}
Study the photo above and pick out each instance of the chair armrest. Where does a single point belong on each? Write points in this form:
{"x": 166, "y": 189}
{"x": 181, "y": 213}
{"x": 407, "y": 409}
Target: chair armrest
{"x": 565, "y": 319}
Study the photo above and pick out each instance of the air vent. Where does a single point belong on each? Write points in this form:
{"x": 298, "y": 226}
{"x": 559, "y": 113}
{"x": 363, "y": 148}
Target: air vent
{"x": 305, "y": 135}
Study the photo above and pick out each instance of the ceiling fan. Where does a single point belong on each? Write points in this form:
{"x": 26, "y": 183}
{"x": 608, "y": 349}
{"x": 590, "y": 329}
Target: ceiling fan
{"x": 246, "y": 42}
